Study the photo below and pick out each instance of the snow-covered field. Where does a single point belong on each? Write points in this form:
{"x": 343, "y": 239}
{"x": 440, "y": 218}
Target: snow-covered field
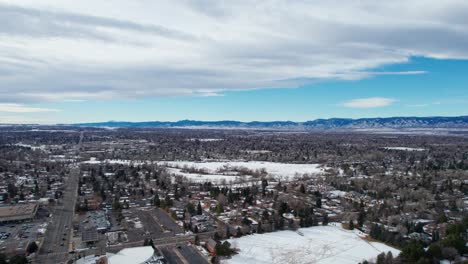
{"x": 117, "y": 161}
{"x": 404, "y": 149}
{"x": 275, "y": 169}
{"x": 221, "y": 172}
{"x": 215, "y": 178}
{"x": 225, "y": 171}
{"x": 319, "y": 244}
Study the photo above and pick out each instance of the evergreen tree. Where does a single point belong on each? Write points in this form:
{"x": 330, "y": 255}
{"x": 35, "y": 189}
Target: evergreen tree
{"x": 318, "y": 202}
{"x": 361, "y": 217}
{"x": 380, "y": 258}
{"x": 325, "y": 220}
{"x": 199, "y": 209}
{"x": 156, "y": 200}
{"x": 412, "y": 253}
{"x": 302, "y": 189}
{"x": 191, "y": 208}
{"x": 32, "y": 247}
{"x": 389, "y": 258}
{"x": 18, "y": 259}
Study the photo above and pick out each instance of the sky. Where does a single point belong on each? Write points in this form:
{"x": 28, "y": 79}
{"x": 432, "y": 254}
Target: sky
{"x": 65, "y": 61}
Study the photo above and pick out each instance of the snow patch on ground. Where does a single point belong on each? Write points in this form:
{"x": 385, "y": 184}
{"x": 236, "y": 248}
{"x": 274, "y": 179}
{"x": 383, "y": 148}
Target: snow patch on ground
{"x": 405, "y": 148}
{"x": 320, "y": 244}
{"x": 132, "y": 255}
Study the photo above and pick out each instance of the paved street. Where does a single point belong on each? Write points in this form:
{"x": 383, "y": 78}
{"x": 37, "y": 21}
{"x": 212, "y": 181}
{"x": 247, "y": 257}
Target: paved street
{"x": 57, "y": 238}
{"x": 56, "y": 243}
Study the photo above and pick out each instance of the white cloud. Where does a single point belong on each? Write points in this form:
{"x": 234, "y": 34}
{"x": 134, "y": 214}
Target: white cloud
{"x": 418, "y": 105}
{"x": 20, "y": 108}
{"x": 23, "y": 120}
{"x": 55, "y": 50}
{"x": 371, "y": 102}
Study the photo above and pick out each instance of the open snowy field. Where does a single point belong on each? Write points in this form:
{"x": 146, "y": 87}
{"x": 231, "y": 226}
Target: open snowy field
{"x": 320, "y": 244}
{"x": 219, "y": 170}
{"x": 405, "y": 149}
{"x": 225, "y": 171}
{"x": 215, "y": 178}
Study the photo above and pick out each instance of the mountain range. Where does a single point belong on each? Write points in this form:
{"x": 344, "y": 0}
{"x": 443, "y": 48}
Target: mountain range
{"x": 318, "y": 124}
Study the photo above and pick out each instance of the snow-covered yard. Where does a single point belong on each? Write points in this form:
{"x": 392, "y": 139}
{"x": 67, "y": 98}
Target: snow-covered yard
{"x": 319, "y": 244}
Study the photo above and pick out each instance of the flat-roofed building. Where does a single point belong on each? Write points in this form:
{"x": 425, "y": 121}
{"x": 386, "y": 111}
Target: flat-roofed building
{"x": 89, "y": 236}
{"x": 18, "y": 213}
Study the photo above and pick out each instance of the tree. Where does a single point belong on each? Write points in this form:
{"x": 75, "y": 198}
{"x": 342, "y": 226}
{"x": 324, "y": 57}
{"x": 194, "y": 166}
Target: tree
{"x": 361, "y": 217}
{"x": 224, "y": 249}
{"x": 318, "y": 202}
{"x": 191, "y": 208}
{"x": 219, "y": 208}
{"x": 117, "y": 206}
{"x": 214, "y": 259}
{"x": 151, "y": 243}
{"x": 351, "y": 225}
{"x": 32, "y": 247}
{"x": 284, "y": 208}
{"x": 3, "y": 259}
{"x": 156, "y": 200}
{"x": 381, "y": 258}
{"x": 18, "y": 259}
{"x": 435, "y": 236}
{"x": 456, "y": 242}
{"x": 302, "y": 189}
{"x": 264, "y": 185}
{"x": 239, "y": 232}
{"x": 434, "y": 251}
{"x": 168, "y": 201}
{"x": 216, "y": 236}
{"x": 412, "y": 252}
{"x": 450, "y": 253}
{"x": 325, "y": 220}
{"x": 389, "y": 258}
{"x": 199, "y": 209}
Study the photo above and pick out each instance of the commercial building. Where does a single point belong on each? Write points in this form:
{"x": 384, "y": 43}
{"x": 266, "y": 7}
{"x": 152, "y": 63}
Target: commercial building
{"x": 18, "y": 213}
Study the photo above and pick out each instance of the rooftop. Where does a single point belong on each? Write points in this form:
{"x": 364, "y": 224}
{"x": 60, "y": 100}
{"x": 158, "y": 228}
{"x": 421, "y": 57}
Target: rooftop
{"x": 18, "y": 212}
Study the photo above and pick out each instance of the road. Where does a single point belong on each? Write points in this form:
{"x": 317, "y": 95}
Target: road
{"x": 57, "y": 238}
{"x": 56, "y": 243}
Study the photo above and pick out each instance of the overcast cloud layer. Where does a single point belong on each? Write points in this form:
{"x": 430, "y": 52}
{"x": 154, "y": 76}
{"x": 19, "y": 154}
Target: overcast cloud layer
{"x": 58, "y": 50}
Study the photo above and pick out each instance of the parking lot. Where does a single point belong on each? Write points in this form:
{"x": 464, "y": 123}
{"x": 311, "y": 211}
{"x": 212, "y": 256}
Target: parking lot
{"x": 182, "y": 253}
{"x": 166, "y": 221}
{"x": 144, "y": 223}
{"x": 16, "y": 237}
